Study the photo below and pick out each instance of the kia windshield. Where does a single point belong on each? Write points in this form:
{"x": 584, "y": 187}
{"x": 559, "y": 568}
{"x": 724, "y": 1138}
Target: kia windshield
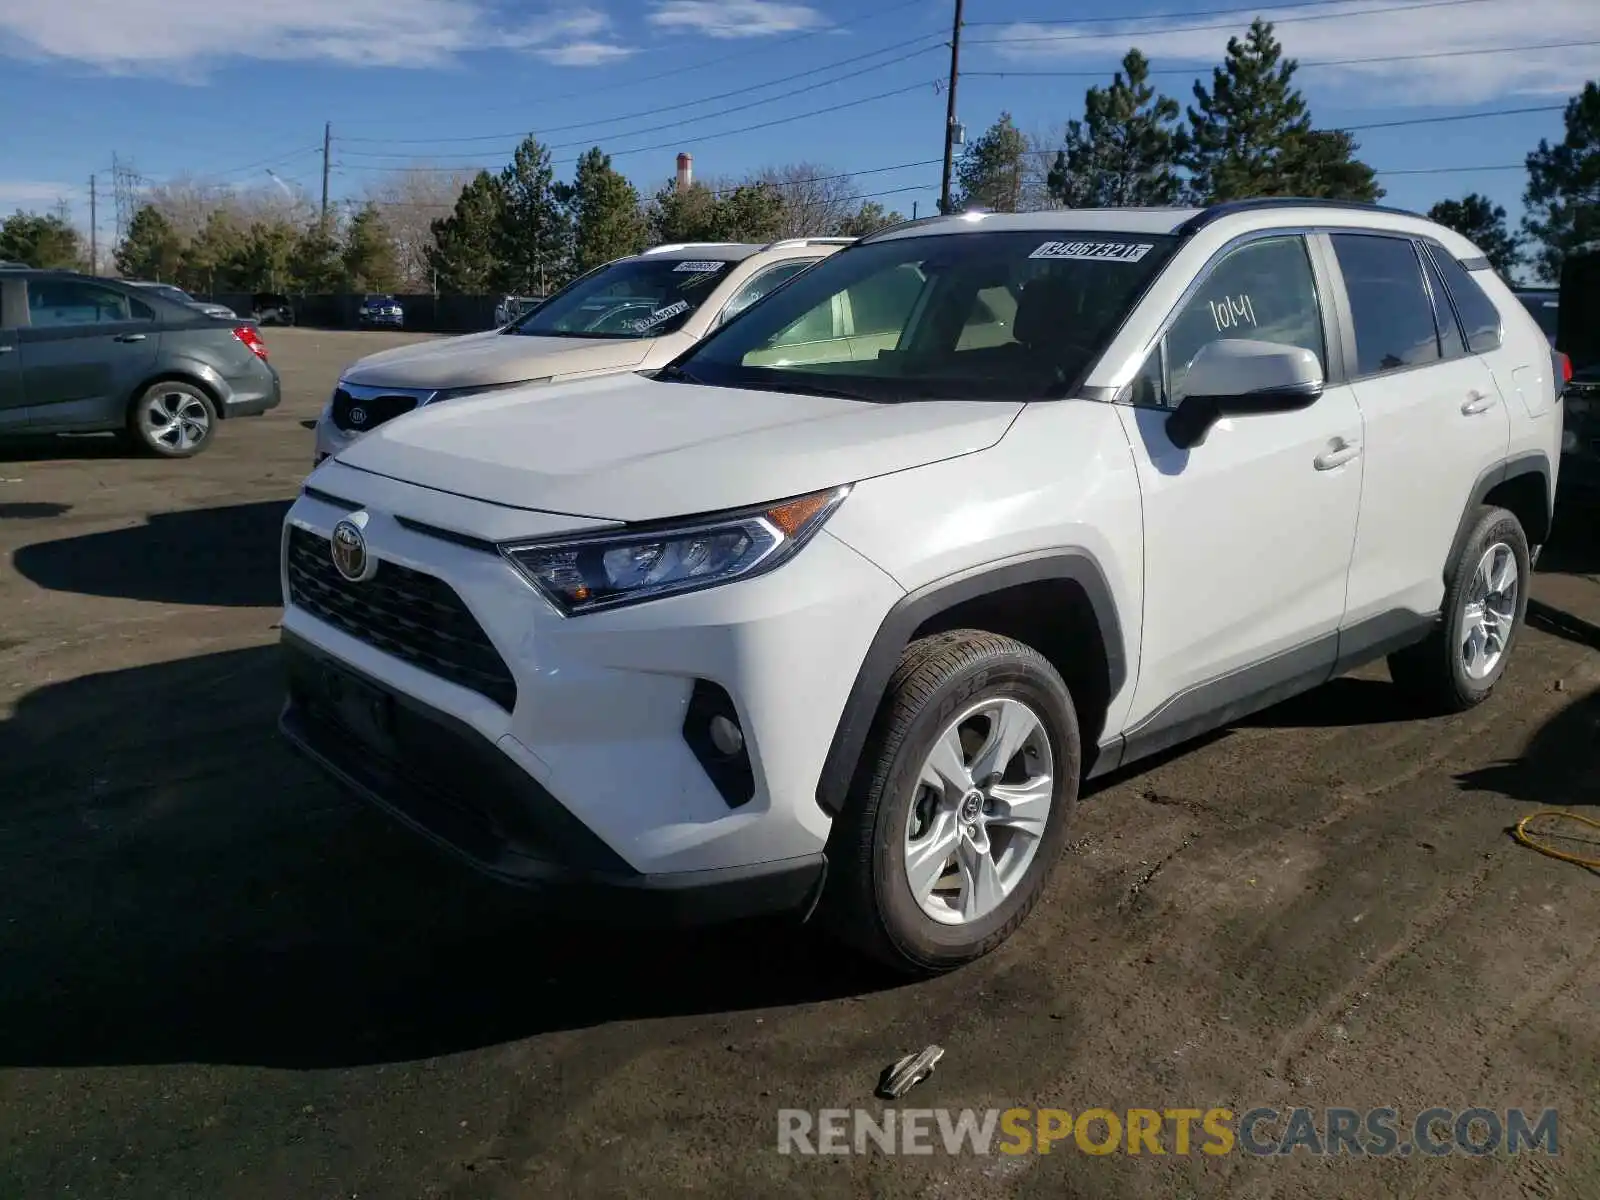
{"x": 1003, "y": 315}
{"x": 637, "y": 298}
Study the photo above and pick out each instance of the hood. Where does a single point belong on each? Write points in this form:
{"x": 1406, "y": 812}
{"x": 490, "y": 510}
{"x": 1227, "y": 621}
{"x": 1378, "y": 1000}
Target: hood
{"x": 625, "y": 448}
{"x": 492, "y": 357}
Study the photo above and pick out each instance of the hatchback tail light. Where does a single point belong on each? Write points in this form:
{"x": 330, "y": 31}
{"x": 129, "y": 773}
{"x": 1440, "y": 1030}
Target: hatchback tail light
{"x": 252, "y": 339}
{"x": 1565, "y": 364}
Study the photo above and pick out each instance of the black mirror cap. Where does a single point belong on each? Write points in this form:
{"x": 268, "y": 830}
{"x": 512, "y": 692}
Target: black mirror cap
{"x": 1189, "y": 423}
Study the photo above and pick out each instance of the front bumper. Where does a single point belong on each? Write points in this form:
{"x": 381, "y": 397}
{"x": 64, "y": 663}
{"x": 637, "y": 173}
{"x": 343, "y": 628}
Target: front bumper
{"x": 396, "y": 320}
{"x": 597, "y": 711}
{"x": 443, "y": 780}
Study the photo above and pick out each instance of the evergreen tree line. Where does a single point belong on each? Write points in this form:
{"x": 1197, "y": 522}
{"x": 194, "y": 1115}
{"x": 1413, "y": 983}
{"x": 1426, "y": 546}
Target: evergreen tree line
{"x": 524, "y": 231}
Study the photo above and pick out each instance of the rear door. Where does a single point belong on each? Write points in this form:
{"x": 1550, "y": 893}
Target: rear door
{"x": 1435, "y": 420}
{"x": 13, "y": 301}
{"x": 85, "y": 348}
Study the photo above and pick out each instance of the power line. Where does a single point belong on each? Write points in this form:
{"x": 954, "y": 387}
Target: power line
{"x": 1201, "y": 12}
{"x": 705, "y": 137}
{"x": 1304, "y": 66}
{"x": 659, "y": 109}
{"x": 673, "y": 124}
{"x": 765, "y": 51}
{"x": 1091, "y": 37}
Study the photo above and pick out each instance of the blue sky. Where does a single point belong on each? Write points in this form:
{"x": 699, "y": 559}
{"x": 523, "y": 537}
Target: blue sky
{"x": 227, "y": 93}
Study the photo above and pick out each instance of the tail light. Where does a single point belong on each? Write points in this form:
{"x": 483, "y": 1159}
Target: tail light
{"x": 1566, "y": 367}
{"x": 252, "y": 339}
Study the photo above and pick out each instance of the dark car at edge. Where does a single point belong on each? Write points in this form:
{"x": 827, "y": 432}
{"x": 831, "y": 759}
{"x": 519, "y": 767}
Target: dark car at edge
{"x": 81, "y": 354}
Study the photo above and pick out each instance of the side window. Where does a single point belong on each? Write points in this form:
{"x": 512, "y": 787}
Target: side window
{"x": 883, "y": 303}
{"x": 1451, "y": 344}
{"x": 1388, "y": 302}
{"x": 53, "y": 303}
{"x": 816, "y": 326}
{"x": 1479, "y": 316}
{"x": 139, "y": 310}
{"x": 762, "y": 283}
{"x": 1264, "y": 291}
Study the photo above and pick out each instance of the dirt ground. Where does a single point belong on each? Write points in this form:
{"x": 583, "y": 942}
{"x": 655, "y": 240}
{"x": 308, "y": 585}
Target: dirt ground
{"x": 221, "y": 978}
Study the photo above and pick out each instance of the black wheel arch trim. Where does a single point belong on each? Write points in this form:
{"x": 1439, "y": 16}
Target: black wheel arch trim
{"x": 916, "y": 607}
{"x": 1533, "y": 462}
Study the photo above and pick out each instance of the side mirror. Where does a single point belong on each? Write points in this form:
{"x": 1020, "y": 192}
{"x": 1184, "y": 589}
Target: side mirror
{"x": 1242, "y": 378}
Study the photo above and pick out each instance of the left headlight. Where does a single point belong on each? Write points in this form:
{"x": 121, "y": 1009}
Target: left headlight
{"x": 580, "y": 575}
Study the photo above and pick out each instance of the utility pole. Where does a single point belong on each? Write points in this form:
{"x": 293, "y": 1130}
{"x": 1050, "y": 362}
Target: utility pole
{"x": 950, "y": 110}
{"x": 327, "y": 154}
{"x": 94, "y": 230}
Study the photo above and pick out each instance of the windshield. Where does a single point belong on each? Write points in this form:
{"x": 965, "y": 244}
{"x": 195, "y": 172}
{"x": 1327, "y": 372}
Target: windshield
{"x": 1545, "y": 309}
{"x": 173, "y": 293}
{"x": 1003, "y": 315}
{"x": 635, "y": 298}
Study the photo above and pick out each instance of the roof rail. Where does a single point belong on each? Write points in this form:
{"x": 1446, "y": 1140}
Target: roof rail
{"x": 792, "y": 243}
{"x": 911, "y": 223}
{"x": 1228, "y": 208}
{"x": 670, "y": 247}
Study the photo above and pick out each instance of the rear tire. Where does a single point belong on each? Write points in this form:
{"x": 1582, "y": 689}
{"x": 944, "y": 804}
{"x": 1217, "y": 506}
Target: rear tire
{"x": 172, "y": 419}
{"x": 1462, "y": 660}
{"x": 943, "y": 849}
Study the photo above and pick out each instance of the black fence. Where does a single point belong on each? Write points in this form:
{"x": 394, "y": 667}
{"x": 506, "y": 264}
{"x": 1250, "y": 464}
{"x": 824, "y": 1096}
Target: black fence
{"x": 424, "y": 313}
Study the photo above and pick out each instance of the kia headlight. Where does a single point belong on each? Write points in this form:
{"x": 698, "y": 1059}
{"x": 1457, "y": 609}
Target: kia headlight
{"x": 609, "y": 570}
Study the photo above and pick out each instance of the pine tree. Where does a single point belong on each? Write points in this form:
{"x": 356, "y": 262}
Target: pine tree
{"x": 869, "y": 218}
{"x": 463, "y": 256}
{"x": 1563, "y": 194}
{"x": 1483, "y": 223}
{"x": 370, "y": 262}
{"x": 315, "y": 265}
{"x": 603, "y": 208}
{"x": 689, "y": 215}
{"x": 534, "y": 240}
{"x": 1124, "y": 151}
{"x": 1322, "y": 163}
{"x": 752, "y": 212}
{"x": 152, "y": 249}
{"x": 1243, "y": 130}
{"x": 992, "y": 172}
{"x": 40, "y": 241}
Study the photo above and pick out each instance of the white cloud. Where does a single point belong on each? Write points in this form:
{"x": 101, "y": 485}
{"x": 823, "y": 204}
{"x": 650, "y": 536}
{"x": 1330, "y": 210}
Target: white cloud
{"x": 191, "y": 37}
{"x": 727, "y": 19}
{"x": 1356, "y": 31}
{"x": 32, "y": 194}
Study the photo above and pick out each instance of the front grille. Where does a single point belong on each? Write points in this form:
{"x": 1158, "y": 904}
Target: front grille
{"x": 374, "y": 410}
{"x": 416, "y": 617}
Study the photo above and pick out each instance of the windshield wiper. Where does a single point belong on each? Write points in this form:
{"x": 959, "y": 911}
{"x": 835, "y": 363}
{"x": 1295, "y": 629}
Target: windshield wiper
{"x": 673, "y": 373}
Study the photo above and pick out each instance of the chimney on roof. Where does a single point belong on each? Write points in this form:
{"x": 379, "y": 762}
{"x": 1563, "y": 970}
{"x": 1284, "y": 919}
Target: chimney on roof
{"x": 685, "y": 172}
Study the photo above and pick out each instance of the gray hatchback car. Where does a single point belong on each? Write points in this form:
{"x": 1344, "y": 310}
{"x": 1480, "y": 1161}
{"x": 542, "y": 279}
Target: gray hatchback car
{"x": 80, "y": 354}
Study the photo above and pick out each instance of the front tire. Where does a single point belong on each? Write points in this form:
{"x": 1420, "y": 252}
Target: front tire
{"x": 1460, "y": 663}
{"x": 173, "y": 419}
{"x": 961, "y": 804}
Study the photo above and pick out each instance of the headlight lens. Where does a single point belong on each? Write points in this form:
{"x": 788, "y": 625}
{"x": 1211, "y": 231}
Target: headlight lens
{"x": 478, "y": 389}
{"x": 580, "y": 575}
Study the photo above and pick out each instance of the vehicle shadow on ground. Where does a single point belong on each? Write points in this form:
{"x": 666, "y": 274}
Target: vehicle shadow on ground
{"x": 181, "y": 887}
{"x": 1560, "y": 766}
{"x": 32, "y": 511}
{"x": 45, "y": 447}
{"x": 222, "y": 557}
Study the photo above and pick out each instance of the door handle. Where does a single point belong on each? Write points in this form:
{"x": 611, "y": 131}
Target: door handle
{"x": 130, "y": 337}
{"x": 1337, "y": 455}
{"x": 6, "y": 349}
{"x": 1475, "y": 403}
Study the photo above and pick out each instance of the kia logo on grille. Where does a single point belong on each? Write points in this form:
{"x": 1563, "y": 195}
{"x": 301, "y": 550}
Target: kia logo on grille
{"x": 358, "y": 416}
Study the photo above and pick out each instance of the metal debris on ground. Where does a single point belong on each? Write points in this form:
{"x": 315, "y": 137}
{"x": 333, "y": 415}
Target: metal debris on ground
{"x": 908, "y": 1072}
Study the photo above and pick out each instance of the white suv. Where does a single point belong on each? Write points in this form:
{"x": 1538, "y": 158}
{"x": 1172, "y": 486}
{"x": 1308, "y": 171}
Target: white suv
{"x": 837, "y": 621}
{"x": 632, "y": 314}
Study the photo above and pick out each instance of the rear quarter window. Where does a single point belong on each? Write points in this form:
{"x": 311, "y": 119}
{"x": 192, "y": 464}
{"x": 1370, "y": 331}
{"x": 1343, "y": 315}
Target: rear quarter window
{"x": 1480, "y": 319}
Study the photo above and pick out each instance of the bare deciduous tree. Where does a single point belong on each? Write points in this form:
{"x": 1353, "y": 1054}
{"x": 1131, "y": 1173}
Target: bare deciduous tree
{"x": 410, "y": 202}
{"x": 817, "y": 200}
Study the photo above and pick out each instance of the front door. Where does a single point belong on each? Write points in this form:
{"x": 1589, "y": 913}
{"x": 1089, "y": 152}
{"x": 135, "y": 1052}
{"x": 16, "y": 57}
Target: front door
{"x": 1247, "y": 536}
{"x": 1434, "y": 419}
{"x": 84, "y": 351}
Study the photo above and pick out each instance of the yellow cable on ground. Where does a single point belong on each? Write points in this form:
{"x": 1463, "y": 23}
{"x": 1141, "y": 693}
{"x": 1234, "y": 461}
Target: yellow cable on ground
{"x": 1522, "y": 835}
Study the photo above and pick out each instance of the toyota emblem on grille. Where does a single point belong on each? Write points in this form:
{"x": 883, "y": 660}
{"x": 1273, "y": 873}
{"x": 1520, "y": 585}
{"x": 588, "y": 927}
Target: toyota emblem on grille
{"x": 349, "y": 550}
{"x": 358, "y": 416}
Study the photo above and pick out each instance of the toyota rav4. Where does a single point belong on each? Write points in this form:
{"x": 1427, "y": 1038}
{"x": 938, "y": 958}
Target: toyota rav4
{"x": 838, "y": 621}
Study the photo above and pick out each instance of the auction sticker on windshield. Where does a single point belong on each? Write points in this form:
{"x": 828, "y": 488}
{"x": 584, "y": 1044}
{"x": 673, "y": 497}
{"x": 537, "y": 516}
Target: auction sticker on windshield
{"x": 1094, "y": 251}
{"x": 707, "y": 267}
{"x": 660, "y": 315}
